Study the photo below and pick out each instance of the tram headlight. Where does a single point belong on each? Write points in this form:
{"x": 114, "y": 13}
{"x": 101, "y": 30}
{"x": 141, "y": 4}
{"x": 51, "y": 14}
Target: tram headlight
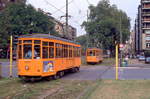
{"x": 26, "y": 67}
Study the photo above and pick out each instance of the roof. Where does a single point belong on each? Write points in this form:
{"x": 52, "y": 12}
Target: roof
{"x": 47, "y": 36}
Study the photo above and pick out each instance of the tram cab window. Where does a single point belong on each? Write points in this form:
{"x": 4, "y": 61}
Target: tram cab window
{"x": 20, "y": 52}
{"x": 27, "y": 51}
{"x": 91, "y": 53}
{"x": 37, "y": 52}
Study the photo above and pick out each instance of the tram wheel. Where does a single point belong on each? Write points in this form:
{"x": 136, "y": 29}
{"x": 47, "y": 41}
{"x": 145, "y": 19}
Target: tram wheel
{"x": 49, "y": 78}
{"x": 78, "y": 69}
{"x": 61, "y": 73}
{"x": 73, "y": 70}
{"x": 57, "y": 76}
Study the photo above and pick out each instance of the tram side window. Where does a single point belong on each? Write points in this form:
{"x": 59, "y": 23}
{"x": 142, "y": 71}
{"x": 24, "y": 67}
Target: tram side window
{"x": 70, "y": 51}
{"x": 37, "y": 52}
{"x": 27, "y": 51}
{"x": 57, "y": 50}
{"x": 45, "y": 50}
{"x": 51, "y": 50}
{"x": 63, "y": 52}
{"x": 78, "y": 52}
{"x": 20, "y": 52}
{"x": 66, "y": 52}
{"x": 75, "y": 52}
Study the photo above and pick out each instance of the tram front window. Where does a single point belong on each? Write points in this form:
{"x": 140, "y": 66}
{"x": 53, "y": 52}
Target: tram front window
{"x": 27, "y": 51}
{"x": 91, "y": 53}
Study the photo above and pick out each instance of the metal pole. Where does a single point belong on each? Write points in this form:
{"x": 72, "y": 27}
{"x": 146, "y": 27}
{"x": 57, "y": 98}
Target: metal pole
{"x": 87, "y": 32}
{"x": 11, "y": 40}
{"x": 117, "y": 62}
{"x": 0, "y": 70}
{"x": 66, "y": 17}
{"x": 120, "y": 40}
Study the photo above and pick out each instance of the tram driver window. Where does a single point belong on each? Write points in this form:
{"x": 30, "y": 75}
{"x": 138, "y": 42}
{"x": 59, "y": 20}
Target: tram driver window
{"x": 28, "y": 51}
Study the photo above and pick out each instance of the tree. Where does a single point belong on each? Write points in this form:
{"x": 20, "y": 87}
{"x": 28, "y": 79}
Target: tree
{"x": 104, "y": 24}
{"x": 19, "y": 19}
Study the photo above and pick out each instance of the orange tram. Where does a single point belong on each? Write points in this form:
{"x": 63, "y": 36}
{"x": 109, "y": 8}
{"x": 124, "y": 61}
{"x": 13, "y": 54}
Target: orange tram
{"x": 46, "y": 56}
{"x": 94, "y": 55}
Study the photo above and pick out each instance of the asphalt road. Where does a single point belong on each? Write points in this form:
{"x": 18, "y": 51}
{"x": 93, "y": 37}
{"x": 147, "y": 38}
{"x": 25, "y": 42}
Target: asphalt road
{"x": 5, "y": 69}
{"x": 135, "y": 70}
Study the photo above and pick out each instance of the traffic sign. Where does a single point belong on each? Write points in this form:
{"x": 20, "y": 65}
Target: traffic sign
{"x": 121, "y": 45}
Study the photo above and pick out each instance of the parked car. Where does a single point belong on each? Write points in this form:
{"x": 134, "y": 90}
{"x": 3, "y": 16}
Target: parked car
{"x": 14, "y": 56}
{"x": 147, "y": 60}
{"x": 141, "y": 58}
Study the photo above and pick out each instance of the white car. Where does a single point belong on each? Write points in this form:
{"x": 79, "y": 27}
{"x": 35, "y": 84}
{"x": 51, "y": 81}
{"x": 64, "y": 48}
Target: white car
{"x": 141, "y": 58}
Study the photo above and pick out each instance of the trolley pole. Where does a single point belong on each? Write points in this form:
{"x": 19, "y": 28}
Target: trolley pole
{"x": 66, "y": 17}
{"x": 117, "y": 64}
{"x": 121, "y": 57}
{"x": 10, "y": 71}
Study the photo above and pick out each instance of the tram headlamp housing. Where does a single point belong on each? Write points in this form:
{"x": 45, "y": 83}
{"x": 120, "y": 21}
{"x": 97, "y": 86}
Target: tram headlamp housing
{"x": 26, "y": 67}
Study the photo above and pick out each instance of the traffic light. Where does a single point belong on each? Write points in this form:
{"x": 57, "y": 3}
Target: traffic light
{"x": 15, "y": 39}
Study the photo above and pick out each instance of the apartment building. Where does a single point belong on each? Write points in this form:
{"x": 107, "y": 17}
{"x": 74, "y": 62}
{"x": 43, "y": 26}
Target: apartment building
{"x": 138, "y": 31}
{"x": 60, "y": 27}
{"x": 142, "y": 27}
{"x": 145, "y": 8}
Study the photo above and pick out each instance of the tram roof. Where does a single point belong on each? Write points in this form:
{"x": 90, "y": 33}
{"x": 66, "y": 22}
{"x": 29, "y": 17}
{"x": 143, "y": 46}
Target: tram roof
{"x": 47, "y": 36}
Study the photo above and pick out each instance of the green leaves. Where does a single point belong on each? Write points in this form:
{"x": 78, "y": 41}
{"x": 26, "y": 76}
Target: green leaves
{"x": 104, "y": 24}
{"x": 19, "y": 18}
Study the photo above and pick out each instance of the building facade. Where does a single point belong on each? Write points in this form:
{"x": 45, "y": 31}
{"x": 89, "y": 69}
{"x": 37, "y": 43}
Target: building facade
{"x": 145, "y": 4}
{"x": 142, "y": 27}
{"x": 60, "y": 27}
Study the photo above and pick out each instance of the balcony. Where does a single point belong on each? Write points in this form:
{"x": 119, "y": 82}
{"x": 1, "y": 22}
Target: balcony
{"x": 146, "y": 14}
{"x": 146, "y": 28}
{"x": 145, "y": 1}
{"x": 146, "y": 20}
{"x": 146, "y": 6}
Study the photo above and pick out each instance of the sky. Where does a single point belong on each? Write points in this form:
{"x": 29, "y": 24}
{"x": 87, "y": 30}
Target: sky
{"x": 78, "y": 10}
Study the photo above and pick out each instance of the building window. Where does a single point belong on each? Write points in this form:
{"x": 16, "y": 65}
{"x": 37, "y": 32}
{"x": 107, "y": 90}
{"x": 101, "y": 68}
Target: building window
{"x": 147, "y": 31}
{"x": 147, "y": 45}
{"x": 147, "y": 38}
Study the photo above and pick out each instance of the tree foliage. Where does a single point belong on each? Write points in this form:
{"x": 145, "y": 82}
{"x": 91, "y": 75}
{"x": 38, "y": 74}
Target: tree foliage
{"x": 104, "y": 24}
{"x": 19, "y": 19}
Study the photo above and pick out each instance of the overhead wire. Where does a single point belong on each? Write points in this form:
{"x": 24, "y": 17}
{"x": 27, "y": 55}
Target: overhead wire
{"x": 60, "y": 9}
{"x": 54, "y": 6}
{"x": 63, "y": 7}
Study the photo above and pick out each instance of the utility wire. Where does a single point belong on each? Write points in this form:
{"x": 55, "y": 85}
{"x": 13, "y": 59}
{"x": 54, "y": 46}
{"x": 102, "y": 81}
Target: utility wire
{"x": 61, "y": 10}
{"x": 62, "y": 7}
{"x": 54, "y": 7}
